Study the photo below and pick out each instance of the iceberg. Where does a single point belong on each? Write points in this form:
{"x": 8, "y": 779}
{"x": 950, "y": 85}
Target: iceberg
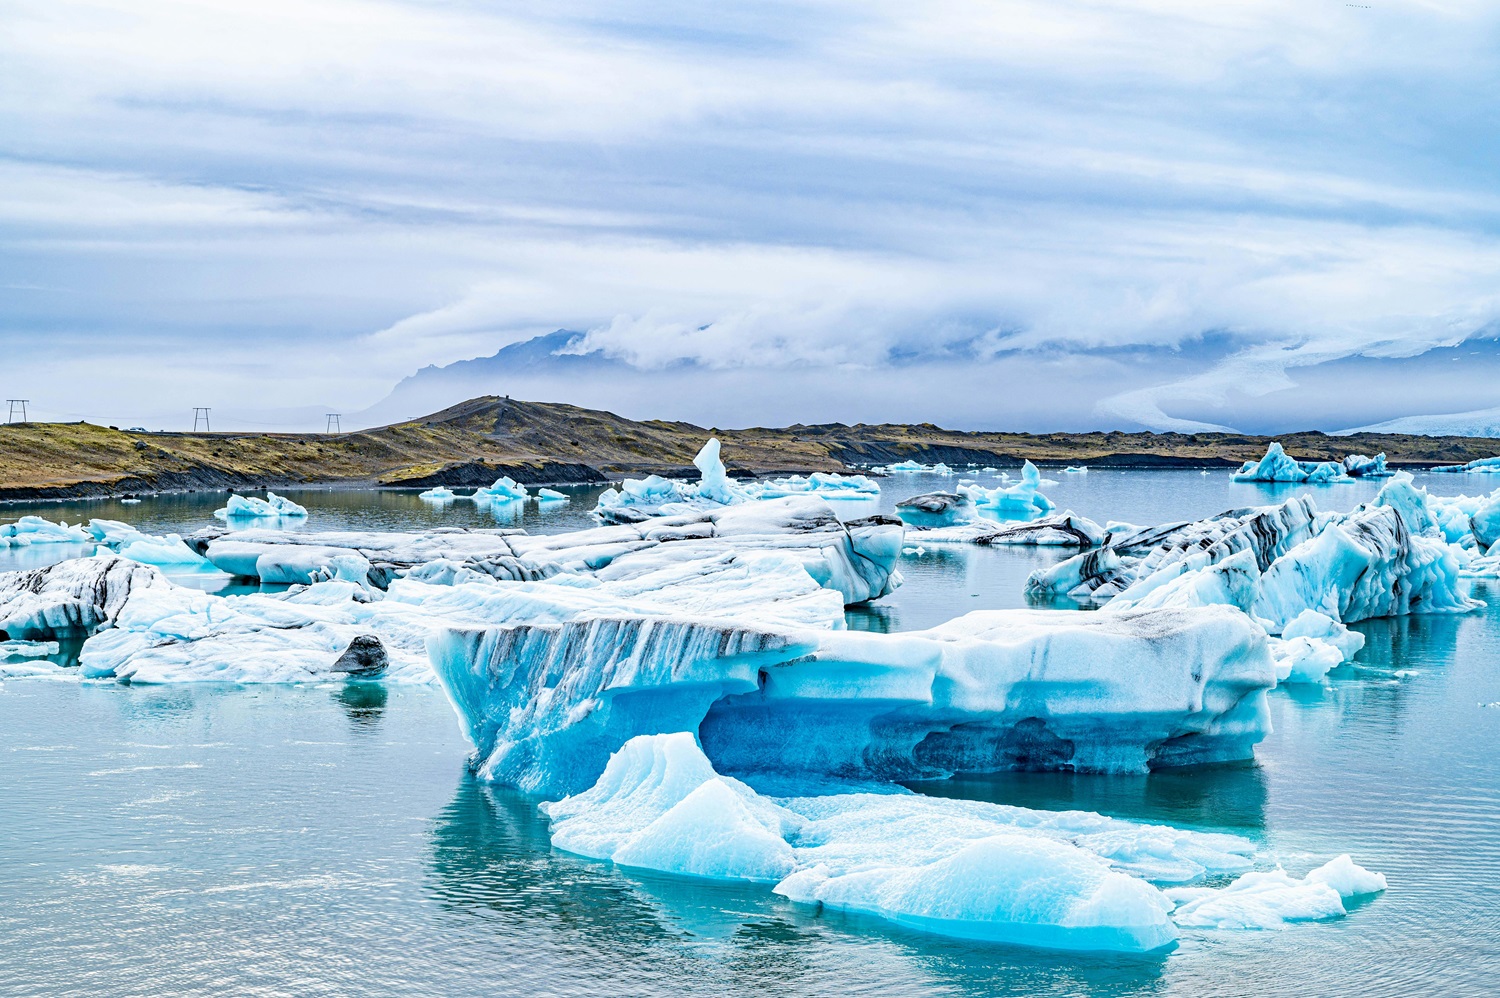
{"x": 1483, "y": 466}
{"x": 1277, "y": 466}
{"x": 1386, "y": 558}
{"x": 128, "y": 542}
{"x": 30, "y": 530}
{"x": 250, "y": 507}
{"x": 546, "y": 700}
{"x": 1361, "y": 466}
{"x": 820, "y": 483}
{"x": 637, "y": 499}
{"x": 1076, "y": 469}
{"x": 936, "y": 509}
{"x": 503, "y": 490}
{"x": 438, "y": 494}
{"x": 1070, "y": 880}
{"x": 907, "y": 466}
{"x": 1021, "y": 500}
{"x": 1485, "y": 521}
{"x": 1271, "y": 899}
{"x": 1061, "y": 530}
{"x": 552, "y": 495}
{"x": 856, "y": 558}
{"x": 71, "y": 598}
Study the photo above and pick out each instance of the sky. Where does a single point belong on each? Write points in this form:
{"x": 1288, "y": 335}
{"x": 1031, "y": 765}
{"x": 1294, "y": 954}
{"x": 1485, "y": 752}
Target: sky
{"x": 1016, "y": 214}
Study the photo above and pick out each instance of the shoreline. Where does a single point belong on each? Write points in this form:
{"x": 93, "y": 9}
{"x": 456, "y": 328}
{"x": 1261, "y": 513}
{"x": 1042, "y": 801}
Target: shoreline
{"x": 552, "y": 444}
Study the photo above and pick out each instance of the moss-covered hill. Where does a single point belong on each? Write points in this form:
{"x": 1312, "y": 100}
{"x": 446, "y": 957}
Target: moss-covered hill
{"x": 475, "y": 441}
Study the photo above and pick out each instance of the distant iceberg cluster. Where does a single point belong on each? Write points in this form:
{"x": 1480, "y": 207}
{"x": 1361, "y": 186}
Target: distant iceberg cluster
{"x": 1386, "y": 558}
{"x": 1278, "y": 466}
{"x": 636, "y": 499}
{"x": 1484, "y": 466}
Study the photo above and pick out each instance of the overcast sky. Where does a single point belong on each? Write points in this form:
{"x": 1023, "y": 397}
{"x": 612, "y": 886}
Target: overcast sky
{"x": 289, "y": 203}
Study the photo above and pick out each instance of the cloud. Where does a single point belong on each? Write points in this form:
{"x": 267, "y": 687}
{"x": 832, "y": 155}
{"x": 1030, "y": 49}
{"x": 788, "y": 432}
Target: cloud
{"x": 197, "y": 188}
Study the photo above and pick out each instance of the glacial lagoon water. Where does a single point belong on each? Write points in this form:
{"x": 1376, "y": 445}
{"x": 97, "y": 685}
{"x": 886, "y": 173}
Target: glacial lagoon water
{"x": 326, "y": 840}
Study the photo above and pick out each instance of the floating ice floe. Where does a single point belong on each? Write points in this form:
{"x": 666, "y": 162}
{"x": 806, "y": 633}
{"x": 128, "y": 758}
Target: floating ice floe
{"x": 1019, "y": 501}
{"x": 30, "y": 530}
{"x": 1076, "y": 469}
{"x": 1386, "y": 558}
{"x": 856, "y": 558}
{"x": 438, "y": 494}
{"x": 1278, "y": 466}
{"x": 1483, "y": 466}
{"x": 252, "y": 507}
{"x": 128, "y": 542}
{"x": 503, "y": 490}
{"x": 552, "y": 495}
{"x": 1071, "y": 880}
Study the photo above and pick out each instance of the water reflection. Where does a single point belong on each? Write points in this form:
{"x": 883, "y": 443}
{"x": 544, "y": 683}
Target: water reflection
{"x": 363, "y": 703}
{"x": 641, "y": 933}
{"x": 1221, "y": 797}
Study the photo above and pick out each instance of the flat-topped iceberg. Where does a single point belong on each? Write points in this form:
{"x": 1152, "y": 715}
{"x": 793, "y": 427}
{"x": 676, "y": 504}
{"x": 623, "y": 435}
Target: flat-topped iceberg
{"x": 1388, "y": 557}
{"x": 1070, "y": 880}
{"x": 546, "y": 701}
{"x": 828, "y": 485}
{"x": 438, "y": 494}
{"x": 1278, "y": 466}
{"x": 253, "y": 507}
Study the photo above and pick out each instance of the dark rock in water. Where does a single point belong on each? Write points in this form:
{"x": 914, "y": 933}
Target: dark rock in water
{"x": 365, "y": 658}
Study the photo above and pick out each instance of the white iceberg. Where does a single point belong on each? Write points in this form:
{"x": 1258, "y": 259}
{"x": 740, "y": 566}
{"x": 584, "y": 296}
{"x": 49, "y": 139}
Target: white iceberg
{"x": 1483, "y": 466}
{"x": 552, "y": 495}
{"x": 71, "y": 598}
{"x": 438, "y": 494}
{"x": 1271, "y": 899}
{"x": 1277, "y": 466}
{"x": 251, "y": 507}
{"x": 1069, "y": 880}
{"x": 29, "y": 530}
{"x": 1386, "y": 558}
{"x": 856, "y": 558}
{"x": 1363, "y": 466}
{"x": 504, "y": 489}
{"x": 128, "y": 542}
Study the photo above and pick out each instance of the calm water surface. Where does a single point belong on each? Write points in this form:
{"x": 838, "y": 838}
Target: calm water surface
{"x": 325, "y": 840}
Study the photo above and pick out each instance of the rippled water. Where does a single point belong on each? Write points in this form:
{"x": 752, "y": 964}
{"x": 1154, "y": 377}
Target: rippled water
{"x": 325, "y": 840}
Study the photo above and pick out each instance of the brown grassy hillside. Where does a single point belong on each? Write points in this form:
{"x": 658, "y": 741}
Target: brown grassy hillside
{"x": 537, "y": 442}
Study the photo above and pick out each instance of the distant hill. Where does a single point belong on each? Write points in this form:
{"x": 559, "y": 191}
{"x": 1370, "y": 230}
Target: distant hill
{"x": 476, "y": 441}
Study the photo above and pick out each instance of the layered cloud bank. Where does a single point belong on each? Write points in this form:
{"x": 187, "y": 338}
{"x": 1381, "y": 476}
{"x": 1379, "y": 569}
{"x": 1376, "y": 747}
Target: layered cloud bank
{"x": 1184, "y": 216}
